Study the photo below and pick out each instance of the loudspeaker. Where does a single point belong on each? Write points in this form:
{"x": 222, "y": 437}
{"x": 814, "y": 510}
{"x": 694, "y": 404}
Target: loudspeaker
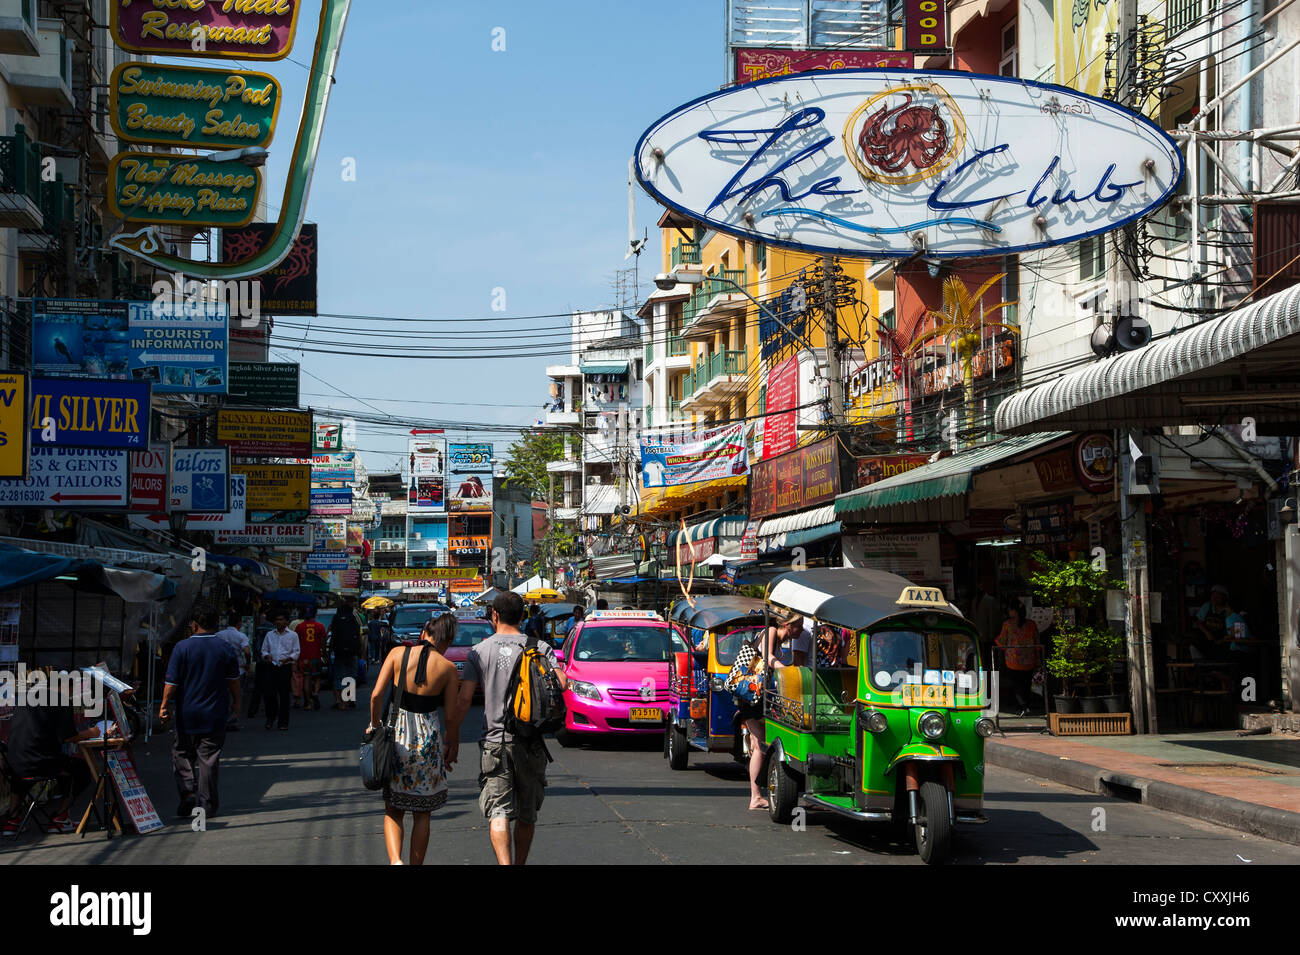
{"x": 1102, "y": 341}
{"x": 1132, "y": 332}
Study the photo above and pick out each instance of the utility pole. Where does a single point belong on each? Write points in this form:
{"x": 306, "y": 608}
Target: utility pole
{"x": 836, "y": 383}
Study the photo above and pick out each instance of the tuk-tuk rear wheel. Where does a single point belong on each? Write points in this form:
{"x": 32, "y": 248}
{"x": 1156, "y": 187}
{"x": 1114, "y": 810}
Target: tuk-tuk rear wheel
{"x": 782, "y": 790}
{"x": 675, "y": 746}
{"x": 934, "y": 827}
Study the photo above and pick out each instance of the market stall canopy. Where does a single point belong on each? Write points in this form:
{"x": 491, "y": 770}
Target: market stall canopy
{"x": 250, "y": 573}
{"x": 544, "y": 595}
{"x": 284, "y": 596}
{"x": 487, "y": 596}
{"x": 935, "y": 491}
{"x": 532, "y": 583}
{"x": 796, "y": 530}
{"x": 1239, "y": 364}
{"x": 314, "y": 583}
{"x": 20, "y": 567}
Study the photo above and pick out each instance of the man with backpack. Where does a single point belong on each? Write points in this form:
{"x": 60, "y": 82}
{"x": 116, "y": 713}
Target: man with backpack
{"x": 345, "y": 644}
{"x": 522, "y": 699}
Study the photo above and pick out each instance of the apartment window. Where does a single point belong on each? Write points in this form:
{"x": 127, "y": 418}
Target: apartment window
{"x": 760, "y": 255}
{"x": 889, "y": 320}
{"x": 1092, "y": 258}
{"x": 1008, "y": 64}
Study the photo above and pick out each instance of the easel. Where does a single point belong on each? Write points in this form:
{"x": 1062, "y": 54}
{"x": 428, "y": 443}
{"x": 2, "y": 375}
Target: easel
{"x": 104, "y": 788}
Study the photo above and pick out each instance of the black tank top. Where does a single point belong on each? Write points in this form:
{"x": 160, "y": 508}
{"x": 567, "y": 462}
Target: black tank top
{"x": 410, "y": 701}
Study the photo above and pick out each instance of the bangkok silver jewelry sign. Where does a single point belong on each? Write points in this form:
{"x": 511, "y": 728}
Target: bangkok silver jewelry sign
{"x": 889, "y": 163}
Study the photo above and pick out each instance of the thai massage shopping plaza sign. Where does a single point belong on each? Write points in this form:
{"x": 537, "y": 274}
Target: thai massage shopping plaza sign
{"x": 889, "y": 163}
{"x": 166, "y": 189}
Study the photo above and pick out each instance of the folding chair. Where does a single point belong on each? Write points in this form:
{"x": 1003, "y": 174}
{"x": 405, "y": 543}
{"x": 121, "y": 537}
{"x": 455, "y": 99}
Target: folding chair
{"x": 31, "y": 791}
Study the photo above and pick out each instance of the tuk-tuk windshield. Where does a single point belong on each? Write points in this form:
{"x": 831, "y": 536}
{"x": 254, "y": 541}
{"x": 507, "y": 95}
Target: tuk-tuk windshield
{"x": 930, "y": 656}
{"x": 729, "y": 644}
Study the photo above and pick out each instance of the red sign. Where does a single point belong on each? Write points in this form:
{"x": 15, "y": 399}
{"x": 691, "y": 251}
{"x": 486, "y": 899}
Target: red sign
{"x": 803, "y": 478}
{"x": 1094, "y": 462}
{"x": 696, "y": 551}
{"x": 149, "y": 470}
{"x": 761, "y": 63}
{"x": 877, "y": 467}
{"x": 779, "y": 434}
{"x": 242, "y": 29}
{"x": 925, "y": 27}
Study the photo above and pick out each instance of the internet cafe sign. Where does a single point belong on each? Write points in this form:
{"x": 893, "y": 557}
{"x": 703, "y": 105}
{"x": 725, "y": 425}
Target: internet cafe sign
{"x": 887, "y": 163}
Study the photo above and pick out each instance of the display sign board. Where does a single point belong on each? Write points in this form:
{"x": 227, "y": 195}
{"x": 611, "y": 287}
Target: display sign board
{"x": 13, "y": 424}
{"x": 134, "y": 797}
{"x": 779, "y": 435}
{"x": 327, "y": 437}
{"x": 422, "y": 573}
{"x": 168, "y": 190}
{"x": 427, "y": 490}
{"x": 200, "y": 479}
{"x": 236, "y": 29}
{"x": 879, "y": 163}
{"x": 925, "y": 25}
{"x": 877, "y": 467}
{"x": 670, "y": 460}
{"x": 331, "y": 500}
{"x": 187, "y": 106}
{"x": 913, "y": 556}
{"x": 278, "y": 434}
{"x": 88, "y": 413}
{"x": 1056, "y": 470}
{"x": 269, "y": 384}
{"x": 469, "y": 481}
{"x": 149, "y": 471}
{"x": 803, "y": 478}
{"x": 1094, "y": 462}
{"x": 327, "y": 560}
{"x": 231, "y": 520}
{"x": 276, "y": 487}
{"x": 1047, "y": 523}
{"x": 761, "y": 63}
{"x": 469, "y": 543}
{"x": 290, "y": 287}
{"x": 177, "y": 347}
{"x": 68, "y": 478}
{"x": 287, "y": 537}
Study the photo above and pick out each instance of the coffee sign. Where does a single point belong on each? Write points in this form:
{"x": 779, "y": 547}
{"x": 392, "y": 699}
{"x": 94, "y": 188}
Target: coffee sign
{"x": 881, "y": 163}
{"x": 239, "y": 29}
{"x": 186, "y": 190}
{"x": 189, "y": 106}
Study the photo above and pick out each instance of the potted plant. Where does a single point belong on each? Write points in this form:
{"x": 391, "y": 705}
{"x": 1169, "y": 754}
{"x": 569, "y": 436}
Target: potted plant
{"x": 1084, "y": 645}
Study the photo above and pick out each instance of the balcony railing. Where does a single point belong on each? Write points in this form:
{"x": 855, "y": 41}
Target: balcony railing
{"x": 649, "y": 417}
{"x": 58, "y": 205}
{"x": 686, "y": 253}
{"x": 20, "y": 165}
{"x": 649, "y": 353}
{"x": 715, "y": 366}
{"x": 713, "y": 285}
{"x": 678, "y": 347}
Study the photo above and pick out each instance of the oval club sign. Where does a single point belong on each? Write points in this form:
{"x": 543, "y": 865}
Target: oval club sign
{"x": 889, "y": 163}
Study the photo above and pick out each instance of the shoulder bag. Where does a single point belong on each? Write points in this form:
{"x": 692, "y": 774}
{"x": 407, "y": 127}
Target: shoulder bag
{"x": 379, "y": 752}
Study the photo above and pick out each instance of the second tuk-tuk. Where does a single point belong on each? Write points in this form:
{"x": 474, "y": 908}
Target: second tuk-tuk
{"x": 702, "y": 714}
{"x": 897, "y": 737}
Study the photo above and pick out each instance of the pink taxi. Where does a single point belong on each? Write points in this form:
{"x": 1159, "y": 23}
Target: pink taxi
{"x": 617, "y": 665}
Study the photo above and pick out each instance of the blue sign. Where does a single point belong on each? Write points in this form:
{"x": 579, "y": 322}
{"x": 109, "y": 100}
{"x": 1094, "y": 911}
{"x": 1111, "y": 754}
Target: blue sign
{"x": 176, "y": 347}
{"x": 85, "y": 413}
{"x": 325, "y": 560}
{"x": 200, "y": 479}
{"x": 331, "y": 500}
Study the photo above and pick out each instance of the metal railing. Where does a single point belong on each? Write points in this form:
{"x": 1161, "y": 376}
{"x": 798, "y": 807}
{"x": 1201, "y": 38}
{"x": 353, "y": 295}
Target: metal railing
{"x": 58, "y": 205}
{"x": 1181, "y": 14}
{"x": 678, "y": 347}
{"x": 20, "y": 165}
{"x": 685, "y": 253}
{"x": 715, "y": 366}
{"x": 649, "y": 353}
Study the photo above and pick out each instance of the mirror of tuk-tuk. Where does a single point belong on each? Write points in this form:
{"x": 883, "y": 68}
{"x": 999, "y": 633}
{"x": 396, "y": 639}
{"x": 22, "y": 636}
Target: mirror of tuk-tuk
{"x": 926, "y": 657}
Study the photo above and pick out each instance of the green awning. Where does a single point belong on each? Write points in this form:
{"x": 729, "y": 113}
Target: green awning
{"x": 314, "y": 584}
{"x": 949, "y": 477}
{"x": 605, "y": 368}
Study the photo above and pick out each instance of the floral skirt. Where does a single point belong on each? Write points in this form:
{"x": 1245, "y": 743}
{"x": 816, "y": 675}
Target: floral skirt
{"x": 419, "y": 782}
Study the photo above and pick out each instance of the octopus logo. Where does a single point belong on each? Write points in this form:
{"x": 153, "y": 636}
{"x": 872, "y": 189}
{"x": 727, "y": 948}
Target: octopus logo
{"x": 905, "y": 134}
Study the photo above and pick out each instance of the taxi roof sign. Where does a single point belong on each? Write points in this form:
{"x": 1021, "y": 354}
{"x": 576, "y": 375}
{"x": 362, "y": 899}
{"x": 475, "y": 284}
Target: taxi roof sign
{"x": 922, "y": 597}
{"x": 624, "y": 615}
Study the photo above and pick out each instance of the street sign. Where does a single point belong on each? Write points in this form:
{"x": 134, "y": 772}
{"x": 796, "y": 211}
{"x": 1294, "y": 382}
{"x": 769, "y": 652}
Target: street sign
{"x": 13, "y": 424}
{"x": 72, "y": 478}
{"x": 149, "y": 472}
{"x": 182, "y": 190}
{"x": 236, "y": 29}
{"x": 192, "y": 107}
{"x": 286, "y": 537}
{"x": 200, "y": 479}
{"x": 89, "y": 413}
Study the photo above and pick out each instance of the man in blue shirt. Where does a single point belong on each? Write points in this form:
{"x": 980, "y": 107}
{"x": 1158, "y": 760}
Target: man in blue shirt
{"x": 202, "y": 682}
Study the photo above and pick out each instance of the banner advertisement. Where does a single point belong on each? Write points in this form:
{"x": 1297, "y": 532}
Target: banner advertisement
{"x": 268, "y": 434}
{"x": 759, "y": 63}
{"x": 276, "y": 489}
{"x": 422, "y": 573}
{"x": 779, "y": 430}
{"x": 287, "y": 537}
{"x": 331, "y": 500}
{"x": 327, "y": 437}
{"x": 469, "y": 484}
{"x": 87, "y": 413}
{"x": 672, "y": 460}
{"x": 267, "y": 384}
{"x": 134, "y": 797}
{"x": 67, "y": 478}
{"x": 200, "y": 479}
{"x": 428, "y": 468}
{"x": 177, "y": 347}
{"x": 327, "y": 560}
{"x": 149, "y": 471}
{"x": 331, "y": 534}
{"x": 290, "y": 287}
{"x": 330, "y": 468}
{"x": 13, "y": 424}
{"x": 803, "y": 478}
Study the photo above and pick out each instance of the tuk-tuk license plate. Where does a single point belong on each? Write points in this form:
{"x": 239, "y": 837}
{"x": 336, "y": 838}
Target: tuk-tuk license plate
{"x": 917, "y": 694}
{"x": 645, "y": 714}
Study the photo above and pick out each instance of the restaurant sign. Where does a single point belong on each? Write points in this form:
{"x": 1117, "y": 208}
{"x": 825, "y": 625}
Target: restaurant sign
{"x": 881, "y": 163}
{"x": 230, "y": 29}
{"x": 189, "y": 106}
{"x": 877, "y": 467}
{"x": 804, "y": 478}
{"x": 182, "y": 190}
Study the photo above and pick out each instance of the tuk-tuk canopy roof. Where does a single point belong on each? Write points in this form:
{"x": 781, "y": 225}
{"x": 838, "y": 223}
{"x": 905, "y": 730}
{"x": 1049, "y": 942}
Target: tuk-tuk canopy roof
{"x": 852, "y": 597}
{"x": 551, "y": 611}
{"x": 710, "y": 613}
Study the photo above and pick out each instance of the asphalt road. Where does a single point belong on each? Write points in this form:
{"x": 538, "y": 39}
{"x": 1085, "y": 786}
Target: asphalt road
{"x": 296, "y": 798}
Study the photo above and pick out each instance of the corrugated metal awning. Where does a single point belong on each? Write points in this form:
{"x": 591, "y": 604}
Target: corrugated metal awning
{"x": 797, "y": 522}
{"x": 728, "y": 528}
{"x": 1242, "y": 363}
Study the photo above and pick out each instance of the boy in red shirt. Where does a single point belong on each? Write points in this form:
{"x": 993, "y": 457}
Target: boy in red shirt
{"x": 311, "y": 638}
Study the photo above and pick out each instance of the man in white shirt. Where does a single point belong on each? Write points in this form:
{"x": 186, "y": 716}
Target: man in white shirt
{"x": 280, "y": 652}
{"x": 238, "y": 641}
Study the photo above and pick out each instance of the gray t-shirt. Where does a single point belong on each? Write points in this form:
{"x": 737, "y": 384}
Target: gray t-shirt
{"x": 490, "y": 664}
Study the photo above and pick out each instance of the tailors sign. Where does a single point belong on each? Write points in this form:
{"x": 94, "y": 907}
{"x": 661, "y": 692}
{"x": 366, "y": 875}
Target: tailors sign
{"x": 888, "y": 162}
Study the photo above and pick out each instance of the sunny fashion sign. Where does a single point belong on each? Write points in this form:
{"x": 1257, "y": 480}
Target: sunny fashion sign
{"x": 889, "y": 163}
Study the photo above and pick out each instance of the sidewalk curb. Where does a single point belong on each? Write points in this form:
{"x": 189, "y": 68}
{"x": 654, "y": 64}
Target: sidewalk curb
{"x": 1276, "y": 824}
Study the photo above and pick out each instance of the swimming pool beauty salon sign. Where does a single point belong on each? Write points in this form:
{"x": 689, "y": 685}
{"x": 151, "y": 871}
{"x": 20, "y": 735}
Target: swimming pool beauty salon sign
{"x": 895, "y": 162}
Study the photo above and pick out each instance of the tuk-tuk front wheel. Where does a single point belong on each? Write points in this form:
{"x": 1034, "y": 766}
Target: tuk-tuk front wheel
{"x": 782, "y": 790}
{"x": 933, "y": 826}
{"x": 676, "y": 747}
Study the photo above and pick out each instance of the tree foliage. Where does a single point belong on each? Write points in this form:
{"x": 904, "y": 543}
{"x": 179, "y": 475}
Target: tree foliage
{"x": 527, "y": 459}
{"x": 1087, "y": 646}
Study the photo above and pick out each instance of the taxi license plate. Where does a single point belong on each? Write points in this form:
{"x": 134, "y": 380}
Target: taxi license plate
{"x": 916, "y": 694}
{"x": 645, "y": 714}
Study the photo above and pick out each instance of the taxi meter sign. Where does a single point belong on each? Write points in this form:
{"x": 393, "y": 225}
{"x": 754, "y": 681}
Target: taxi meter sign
{"x": 922, "y": 597}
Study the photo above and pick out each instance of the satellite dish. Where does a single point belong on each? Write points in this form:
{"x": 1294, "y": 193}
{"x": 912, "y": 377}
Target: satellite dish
{"x": 1102, "y": 341}
{"x": 1131, "y": 333}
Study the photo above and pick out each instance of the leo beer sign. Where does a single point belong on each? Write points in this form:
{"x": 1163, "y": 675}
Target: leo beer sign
{"x": 880, "y": 163}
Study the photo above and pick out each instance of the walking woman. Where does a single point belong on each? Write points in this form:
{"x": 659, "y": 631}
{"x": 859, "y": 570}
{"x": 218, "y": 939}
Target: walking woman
{"x": 420, "y": 686}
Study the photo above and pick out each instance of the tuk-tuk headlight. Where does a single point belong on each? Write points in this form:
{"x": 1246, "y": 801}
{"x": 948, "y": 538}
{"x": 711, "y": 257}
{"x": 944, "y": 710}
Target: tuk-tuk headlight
{"x": 985, "y": 726}
{"x": 876, "y": 722}
{"x": 932, "y": 724}
{"x": 717, "y": 683}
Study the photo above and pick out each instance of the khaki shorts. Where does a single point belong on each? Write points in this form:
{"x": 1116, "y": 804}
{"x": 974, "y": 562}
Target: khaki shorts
{"x": 512, "y": 780}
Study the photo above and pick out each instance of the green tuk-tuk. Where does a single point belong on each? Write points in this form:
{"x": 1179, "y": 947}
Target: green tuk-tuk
{"x": 898, "y": 736}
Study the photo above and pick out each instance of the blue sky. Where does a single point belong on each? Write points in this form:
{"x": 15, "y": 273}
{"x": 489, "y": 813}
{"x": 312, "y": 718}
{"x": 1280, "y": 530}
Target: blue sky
{"x": 478, "y": 170}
